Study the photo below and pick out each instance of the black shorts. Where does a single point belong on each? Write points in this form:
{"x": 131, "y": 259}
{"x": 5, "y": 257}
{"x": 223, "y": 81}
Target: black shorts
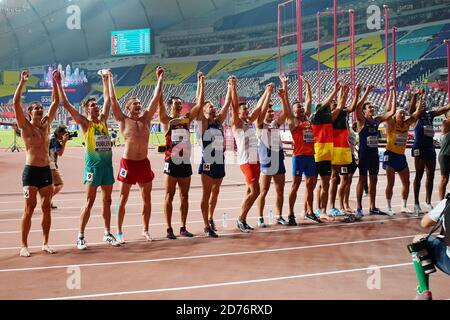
{"x": 39, "y": 177}
{"x": 349, "y": 169}
{"x": 444, "y": 162}
{"x": 323, "y": 168}
{"x": 182, "y": 170}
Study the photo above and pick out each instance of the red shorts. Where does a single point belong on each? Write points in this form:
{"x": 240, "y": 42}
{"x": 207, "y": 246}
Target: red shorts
{"x": 251, "y": 172}
{"x": 135, "y": 171}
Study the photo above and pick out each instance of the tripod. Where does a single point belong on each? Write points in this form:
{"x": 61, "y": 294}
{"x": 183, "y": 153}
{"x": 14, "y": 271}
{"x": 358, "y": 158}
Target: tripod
{"x": 14, "y": 146}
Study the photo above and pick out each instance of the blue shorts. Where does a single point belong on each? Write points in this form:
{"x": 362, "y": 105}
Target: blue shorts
{"x": 368, "y": 162}
{"x": 273, "y": 169}
{"x": 304, "y": 165}
{"x": 424, "y": 154}
{"x": 394, "y": 160}
{"x": 438, "y": 253}
{"x": 212, "y": 170}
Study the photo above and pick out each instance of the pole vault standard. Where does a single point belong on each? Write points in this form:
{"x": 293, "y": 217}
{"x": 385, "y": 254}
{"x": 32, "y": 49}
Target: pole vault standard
{"x": 335, "y": 43}
{"x": 386, "y": 47}
{"x": 447, "y": 42}
{"x": 298, "y": 34}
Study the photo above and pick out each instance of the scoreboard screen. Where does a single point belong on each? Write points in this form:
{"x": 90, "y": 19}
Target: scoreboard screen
{"x": 130, "y": 42}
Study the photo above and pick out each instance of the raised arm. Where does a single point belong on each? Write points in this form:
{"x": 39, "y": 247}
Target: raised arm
{"x": 355, "y": 98}
{"x": 263, "y": 105}
{"x": 200, "y": 98}
{"x": 391, "y": 105}
{"x": 342, "y": 99}
{"x": 442, "y": 110}
{"x": 234, "y": 102}
{"x": 308, "y": 98}
{"x": 162, "y": 113}
{"x": 51, "y": 115}
{"x": 333, "y": 93}
{"x": 419, "y": 108}
{"x": 153, "y": 105}
{"x": 77, "y": 117}
{"x": 412, "y": 102}
{"x": 117, "y": 112}
{"x": 228, "y": 101}
{"x": 286, "y": 108}
{"x": 106, "y": 95}
{"x": 18, "y": 111}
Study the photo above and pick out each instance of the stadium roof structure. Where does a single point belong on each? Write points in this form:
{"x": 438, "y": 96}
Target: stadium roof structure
{"x": 34, "y": 32}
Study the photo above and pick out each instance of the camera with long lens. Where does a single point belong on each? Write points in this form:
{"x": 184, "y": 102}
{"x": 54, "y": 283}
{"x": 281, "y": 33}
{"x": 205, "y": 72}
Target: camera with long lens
{"x": 72, "y": 134}
{"x": 420, "y": 248}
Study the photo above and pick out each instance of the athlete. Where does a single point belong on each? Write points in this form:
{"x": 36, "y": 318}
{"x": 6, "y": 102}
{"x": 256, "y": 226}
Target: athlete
{"x": 444, "y": 156}
{"x": 135, "y": 166}
{"x": 271, "y": 154}
{"x": 394, "y": 157}
{"x": 212, "y": 166}
{"x": 367, "y": 128}
{"x": 423, "y": 150}
{"x": 247, "y": 148}
{"x": 177, "y": 166}
{"x": 37, "y": 176}
{"x": 98, "y": 170}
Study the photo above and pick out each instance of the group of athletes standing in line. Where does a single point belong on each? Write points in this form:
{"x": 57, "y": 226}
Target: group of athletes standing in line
{"x": 323, "y": 142}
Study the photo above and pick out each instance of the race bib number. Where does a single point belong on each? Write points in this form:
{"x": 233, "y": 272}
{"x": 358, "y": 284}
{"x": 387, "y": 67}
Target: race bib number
{"x": 89, "y": 177}
{"x": 206, "y": 167}
{"x": 428, "y": 131}
{"x": 308, "y": 136}
{"x": 123, "y": 173}
{"x": 344, "y": 170}
{"x": 26, "y": 192}
{"x": 217, "y": 142}
{"x": 179, "y": 135}
{"x": 102, "y": 143}
{"x": 400, "y": 139}
{"x": 416, "y": 153}
{"x": 372, "y": 141}
{"x": 166, "y": 167}
{"x": 386, "y": 158}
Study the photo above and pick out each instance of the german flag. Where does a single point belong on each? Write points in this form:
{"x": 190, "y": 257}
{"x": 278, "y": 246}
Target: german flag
{"x": 342, "y": 154}
{"x": 323, "y": 133}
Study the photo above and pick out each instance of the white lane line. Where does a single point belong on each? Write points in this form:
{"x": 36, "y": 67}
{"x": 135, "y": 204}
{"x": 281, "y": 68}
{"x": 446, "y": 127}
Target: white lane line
{"x": 258, "y": 231}
{"x": 224, "y": 284}
{"x": 206, "y": 256}
{"x": 17, "y": 231}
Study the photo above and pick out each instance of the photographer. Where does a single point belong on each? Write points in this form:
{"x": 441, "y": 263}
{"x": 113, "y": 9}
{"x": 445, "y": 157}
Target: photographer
{"x": 428, "y": 251}
{"x": 58, "y": 142}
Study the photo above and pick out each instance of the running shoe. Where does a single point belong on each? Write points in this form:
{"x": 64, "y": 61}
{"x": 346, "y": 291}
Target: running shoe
{"x": 185, "y": 233}
{"x": 247, "y": 226}
{"x": 390, "y": 212}
{"x": 210, "y": 232}
{"x": 429, "y": 206}
{"x": 417, "y": 210}
{"x": 359, "y": 213}
{"x": 292, "y": 221}
{"x": 426, "y": 295}
{"x": 212, "y": 225}
{"x": 313, "y": 218}
{"x": 241, "y": 226}
{"x": 109, "y": 238}
{"x": 170, "y": 235}
{"x": 261, "y": 223}
{"x": 146, "y": 235}
{"x": 24, "y": 252}
{"x": 317, "y": 212}
{"x": 53, "y": 206}
{"x": 48, "y": 249}
{"x": 120, "y": 238}
{"x": 81, "y": 243}
{"x": 376, "y": 211}
{"x": 280, "y": 220}
{"x": 335, "y": 212}
{"x": 347, "y": 218}
{"x": 406, "y": 210}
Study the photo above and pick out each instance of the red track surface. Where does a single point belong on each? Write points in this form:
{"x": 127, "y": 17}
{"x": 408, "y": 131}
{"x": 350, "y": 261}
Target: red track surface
{"x": 311, "y": 261}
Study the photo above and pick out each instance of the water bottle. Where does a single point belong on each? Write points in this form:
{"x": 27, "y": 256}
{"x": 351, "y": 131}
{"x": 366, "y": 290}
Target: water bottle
{"x": 270, "y": 217}
{"x": 225, "y": 220}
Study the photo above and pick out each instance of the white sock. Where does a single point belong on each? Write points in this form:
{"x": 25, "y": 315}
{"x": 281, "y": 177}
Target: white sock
{"x": 404, "y": 203}
{"x": 81, "y": 235}
{"x": 106, "y": 232}
{"x": 389, "y": 203}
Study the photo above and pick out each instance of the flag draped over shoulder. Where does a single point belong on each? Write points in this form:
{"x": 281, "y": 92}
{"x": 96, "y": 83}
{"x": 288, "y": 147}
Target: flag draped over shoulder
{"x": 342, "y": 154}
{"x": 322, "y": 126}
